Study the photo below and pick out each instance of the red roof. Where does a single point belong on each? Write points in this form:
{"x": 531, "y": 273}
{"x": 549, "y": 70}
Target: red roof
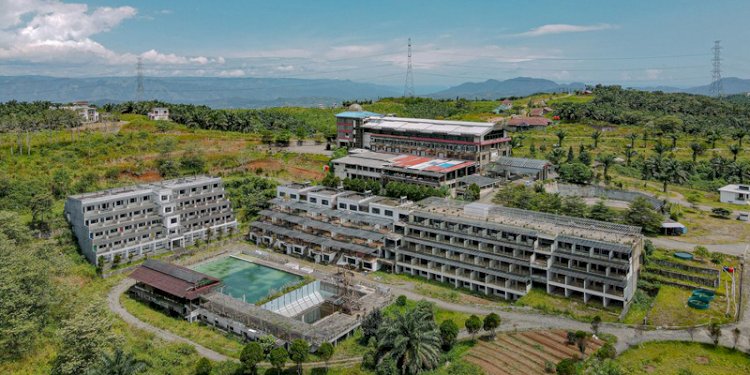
{"x": 529, "y": 121}
{"x": 173, "y": 279}
{"x": 506, "y": 102}
{"x": 536, "y": 112}
{"x": 429, "y": 164}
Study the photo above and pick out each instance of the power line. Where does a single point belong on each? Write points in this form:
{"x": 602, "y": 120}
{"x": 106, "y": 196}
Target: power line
{"x": 716, "y": 86}
{"x": 409, "y": 83}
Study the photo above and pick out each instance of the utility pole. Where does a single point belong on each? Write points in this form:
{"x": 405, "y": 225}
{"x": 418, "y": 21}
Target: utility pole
{"x": 139, "y": 80}
{"x": 716, "y": 86}
{"x": 409, "y": 84}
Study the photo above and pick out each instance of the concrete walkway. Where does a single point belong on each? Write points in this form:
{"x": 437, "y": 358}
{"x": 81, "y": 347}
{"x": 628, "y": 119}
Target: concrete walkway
{"x": 736, "y": 249}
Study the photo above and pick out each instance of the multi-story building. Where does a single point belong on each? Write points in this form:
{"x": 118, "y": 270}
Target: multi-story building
{"x": 480, "y": 142}
{"x": 88, "y": 113}
{"x": 411, "y": 169}
{"x": 486, "y": 248}
{"x": 349, "y": 126}
{"x": 142, "y": 219}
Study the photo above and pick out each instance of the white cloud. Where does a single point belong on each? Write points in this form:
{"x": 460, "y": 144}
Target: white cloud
{"x": 285, "y": 68}
{"x": 232, "y": 73}
{"x": 561, "y": 28}
{"x": 50, "y": 31}
{"x": 653, "y": 74}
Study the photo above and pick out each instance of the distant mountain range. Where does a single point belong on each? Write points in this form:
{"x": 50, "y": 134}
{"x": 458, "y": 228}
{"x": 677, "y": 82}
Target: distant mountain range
{"x": 274, "y": 92}
{"x": 212, "y": 91}
{"x": 494, "y": 89}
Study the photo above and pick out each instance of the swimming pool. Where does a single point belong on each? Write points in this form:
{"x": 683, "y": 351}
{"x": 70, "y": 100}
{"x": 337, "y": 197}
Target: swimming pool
{"x": 243, "y": 278}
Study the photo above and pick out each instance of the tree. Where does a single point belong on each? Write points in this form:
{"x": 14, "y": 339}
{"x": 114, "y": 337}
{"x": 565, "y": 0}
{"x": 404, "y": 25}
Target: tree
{"x": 600, "y": 211}
{"x": 674, "y": 138}
{"x": 573, "y": 206}
{"x": 83, "y": 339}
{"x": 734, "y": 149}
{"x": 556, "y": 155}
{"x": 491, "y": 322}
{"x": 595, "y": 136}
{"x": 607, "y": 351}
{"x": 473, "y": 325}
{"x": 412, "y": 340}
{"x": 119, "y": 363}
{"x": 667, "y": 124}
{"x": 298, "y": 352}
{"x": 577, "y": 173}
{"x": 697, "y": 150}
{"x": 570, "y": 337}
{"x": 193, "y": 162}
{"x": 401, "y": 300}
{"x": 560, "y": 137}
{"x": 387, "y": 367}
{"x": 566, "y": 366}
{"x": 330, "y": 180}
{"x": 371, "y": 323}
{"x": 738, "y": 135}
{"x": 712, "y": 137}
{"x": 25, "y": 286}
{"x": 167, "y": 168}
{"x": 325, "y": 352}
{"x": 632, "y": 137}
{"x": 629, "y": 154}
{"x": 670, "y": 170}
{"x": 660, "y": 148}
{"x": 714, "y": 331}
{"x": 448, "y": 334}
{"x": 606, "y": 160}
{"x": 571, "y": 155}
{"x": 640, "y": 213}
{"x": 278, "y": 358}
{"x": 595, "y": 323}
{"x": 472, "y": 192}
{"x": 251, "y": 355}
{"x": 267, "y": 342}
{"x": 202, "y": 367}
{"x": 584, "y": 157}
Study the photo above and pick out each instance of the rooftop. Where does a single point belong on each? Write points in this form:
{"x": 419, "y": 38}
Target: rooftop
{"x": 537, "y": 221}
{"x": 507, "y": 161}
{"x": 736, "y": 188}
{"x": 412, "y": 162}
{"x": 358, "y": 114}
{"x": 142, "y": 188}
{"x": 529, "y": 121}
{"x": 173, "y": 279}
{"x": 429, "y": 126}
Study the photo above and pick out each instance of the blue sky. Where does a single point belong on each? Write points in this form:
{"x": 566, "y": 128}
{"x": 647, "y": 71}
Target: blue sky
{"x": 636, "y": 42}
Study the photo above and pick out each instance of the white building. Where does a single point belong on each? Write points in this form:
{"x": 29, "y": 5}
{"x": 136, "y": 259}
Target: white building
{"x": 159, "y": 113}
{"x": 737, "y": 194}
{"x": 87, "y": 112}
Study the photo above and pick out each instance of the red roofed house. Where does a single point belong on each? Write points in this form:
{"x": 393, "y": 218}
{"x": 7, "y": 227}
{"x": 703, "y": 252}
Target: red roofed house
{"x": 522, "y": 123}
{"x": 171, "y": 287}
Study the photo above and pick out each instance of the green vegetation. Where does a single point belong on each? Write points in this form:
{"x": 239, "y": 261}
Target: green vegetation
{"x": 572, "y": 307}
{"x": 683, "y": 358}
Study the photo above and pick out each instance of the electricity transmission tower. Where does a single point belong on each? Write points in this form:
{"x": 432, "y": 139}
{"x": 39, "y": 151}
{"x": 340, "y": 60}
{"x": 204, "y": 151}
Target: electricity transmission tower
{"x": 716, "y": 86}
{"x": 409, "y": 84}
{"x": 139, "y": 80}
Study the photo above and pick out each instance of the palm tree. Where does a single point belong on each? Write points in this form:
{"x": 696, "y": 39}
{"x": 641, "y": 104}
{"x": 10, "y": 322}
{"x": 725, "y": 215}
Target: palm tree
{"x": 560, "y": 136}
{"x": 697, "y": 150}
{"x": 660, "y": 148}
{"x": 734, "y": 149}
{"x": 739, "y": 135}
{"x": 645, "y": 139}
{"x": 412, "y": 340}
{"x": 632, "y": 137}
{"x": 712, "y": 137}
{"x": 674, "y": 138}
{"x": 595, "y": 136}
{"x": 670, "y": 170}
{"x": 629, "y": 153}
{"x": 607, "y": 160}
{"x": 118, "y": 363}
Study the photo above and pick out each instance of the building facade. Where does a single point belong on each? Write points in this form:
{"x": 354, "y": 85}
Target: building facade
{"x": 480, "y": 142}
{"x": 88, "y": 113}
{"x": 411, "y": 169}
{"x": 159, "y": 114}
{"x": 736, "y": 194}
{"x": 349, "y": 127}
{"x": 485, "y": 248}
{"x": 150, "y": 218}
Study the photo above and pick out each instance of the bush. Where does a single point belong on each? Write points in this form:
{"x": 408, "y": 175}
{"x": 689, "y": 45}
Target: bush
{"x": 607, "y": 351}
{"x": 448, "y": 334}
{"x": 401, "y": 300}
{"x": 721, "y": 212}
{"x": 576, "y": 173}
{"x": 566, "y": 366}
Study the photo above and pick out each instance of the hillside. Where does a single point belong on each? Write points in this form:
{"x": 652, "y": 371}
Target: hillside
{"x": 494, "y": 89}
{"x": 731, "y": 86}
{"x": 212, "y": 91}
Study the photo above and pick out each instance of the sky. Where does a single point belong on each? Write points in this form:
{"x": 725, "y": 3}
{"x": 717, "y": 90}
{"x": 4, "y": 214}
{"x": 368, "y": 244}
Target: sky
{"x": 633, "y": 43}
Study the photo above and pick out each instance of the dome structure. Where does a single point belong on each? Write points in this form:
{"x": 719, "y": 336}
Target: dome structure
{"x": 355, "y": 108}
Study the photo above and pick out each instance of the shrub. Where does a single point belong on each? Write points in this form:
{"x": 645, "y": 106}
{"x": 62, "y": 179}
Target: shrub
{"x": 607, "y": 351}
{"x": 567, "y": 366}
{"x": 721, "y": 212}
{"x": 401, "y": 300}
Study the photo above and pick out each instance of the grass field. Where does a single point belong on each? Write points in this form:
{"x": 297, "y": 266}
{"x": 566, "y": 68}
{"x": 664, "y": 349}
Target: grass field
{"x": 678, "y": 358}
{"x": 572, "y": 307}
